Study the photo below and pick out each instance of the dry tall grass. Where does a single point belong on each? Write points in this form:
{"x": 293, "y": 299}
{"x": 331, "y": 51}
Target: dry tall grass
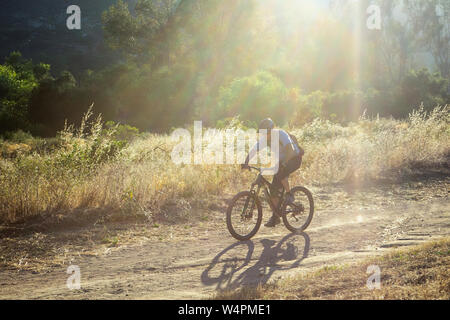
{"x": 368, "y": 148}
{"x": 90, "y": 169}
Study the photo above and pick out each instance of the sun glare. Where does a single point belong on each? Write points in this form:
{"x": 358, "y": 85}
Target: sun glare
{"x": 305, "y": 10}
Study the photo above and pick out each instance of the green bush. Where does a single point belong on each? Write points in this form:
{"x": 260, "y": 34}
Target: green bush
{"x": 308, "y": 107}
{"x": 235, "y": 123}
{"x": 15, "y": 91}
{"x": 90, "y": 145}
{"x": 122, "y": 132}
{"x": 421, "y": 87}
{"x": 18, "y": 136}
{"x": 418, "y": 88}
{"x": 254, "y": 98}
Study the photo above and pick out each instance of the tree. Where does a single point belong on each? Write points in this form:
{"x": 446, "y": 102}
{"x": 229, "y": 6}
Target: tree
{"x": 431, "y": 23}
{"x": 17, "y": 82}
{"x": 422, "y": 87}
{"x": 140, "y": 35}
{"x": 256, "y": 97}
{"x": 55, "y": 100}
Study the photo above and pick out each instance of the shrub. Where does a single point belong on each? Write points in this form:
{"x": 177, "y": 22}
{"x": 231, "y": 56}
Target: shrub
{"x": 122, "y": 132}
{"x": 254, "y": 98}
{"x": 91, "y": 169}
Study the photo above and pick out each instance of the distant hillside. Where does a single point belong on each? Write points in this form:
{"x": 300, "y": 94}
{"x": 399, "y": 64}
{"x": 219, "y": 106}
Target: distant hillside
{"x": 38, "y": 29}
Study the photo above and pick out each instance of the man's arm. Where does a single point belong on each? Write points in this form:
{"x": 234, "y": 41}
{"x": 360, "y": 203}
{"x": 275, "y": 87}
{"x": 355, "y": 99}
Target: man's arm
{"x": 253, "y": 151}
{"x": 251, "y": 154}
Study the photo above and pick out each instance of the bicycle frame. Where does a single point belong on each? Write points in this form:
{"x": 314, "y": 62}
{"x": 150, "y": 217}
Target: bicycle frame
{"x": 261, "y": 182}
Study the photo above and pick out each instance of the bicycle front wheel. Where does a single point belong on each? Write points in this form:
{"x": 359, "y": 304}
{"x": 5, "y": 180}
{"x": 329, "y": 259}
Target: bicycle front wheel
{"x": 298, "y": 215}
{"x": 244, "y": 216}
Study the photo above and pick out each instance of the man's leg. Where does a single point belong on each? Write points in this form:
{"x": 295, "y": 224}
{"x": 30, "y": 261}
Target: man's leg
{"x": 285, "y": 183}
{"x": 275, "y": 195}
{"x": 276, "y": 189}
{"x": 293, "y": 165}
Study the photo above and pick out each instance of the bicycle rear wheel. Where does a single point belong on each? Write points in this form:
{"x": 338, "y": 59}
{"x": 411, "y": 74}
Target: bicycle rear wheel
{"x": 244, "y": 216}
{"x": 298, "y": 215}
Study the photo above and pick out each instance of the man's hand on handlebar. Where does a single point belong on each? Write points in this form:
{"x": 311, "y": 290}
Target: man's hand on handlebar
{"x": 245, "y": 166}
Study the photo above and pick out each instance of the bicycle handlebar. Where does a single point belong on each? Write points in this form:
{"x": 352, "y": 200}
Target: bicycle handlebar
{"x": 254, "y": 168}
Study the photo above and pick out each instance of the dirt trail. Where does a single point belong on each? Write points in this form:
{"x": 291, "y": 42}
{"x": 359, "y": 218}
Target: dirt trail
{"x": 195, "y": 265}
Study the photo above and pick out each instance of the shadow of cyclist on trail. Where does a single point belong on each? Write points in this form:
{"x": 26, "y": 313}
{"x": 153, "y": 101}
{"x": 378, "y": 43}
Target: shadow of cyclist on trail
{"x": 234, "y": 267}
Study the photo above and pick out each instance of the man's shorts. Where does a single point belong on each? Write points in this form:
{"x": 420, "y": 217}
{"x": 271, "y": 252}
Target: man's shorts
{"x": 276, "y": 188}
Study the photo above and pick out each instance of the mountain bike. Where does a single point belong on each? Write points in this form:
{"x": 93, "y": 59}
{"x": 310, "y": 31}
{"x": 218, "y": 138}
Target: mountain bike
{"x": 244, "y": 214}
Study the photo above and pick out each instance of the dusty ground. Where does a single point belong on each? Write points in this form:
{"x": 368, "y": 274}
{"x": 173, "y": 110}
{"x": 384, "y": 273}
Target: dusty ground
{"x": 124, "y": 260}
{"x": 417, "y": 272}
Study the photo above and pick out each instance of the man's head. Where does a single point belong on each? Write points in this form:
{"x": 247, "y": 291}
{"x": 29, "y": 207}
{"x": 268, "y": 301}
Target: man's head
{"x": 266, "y": 124}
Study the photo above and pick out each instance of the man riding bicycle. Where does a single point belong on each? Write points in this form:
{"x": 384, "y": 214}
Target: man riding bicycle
{"x": 290, "y": 160}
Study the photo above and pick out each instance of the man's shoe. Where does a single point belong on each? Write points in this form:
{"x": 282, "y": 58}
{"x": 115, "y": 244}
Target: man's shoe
{"x": 289, "y": 198}
{"x": 273, "y": 221}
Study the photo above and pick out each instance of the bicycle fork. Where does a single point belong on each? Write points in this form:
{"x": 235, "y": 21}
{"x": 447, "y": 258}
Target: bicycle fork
{"x": 253, "y": 202}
